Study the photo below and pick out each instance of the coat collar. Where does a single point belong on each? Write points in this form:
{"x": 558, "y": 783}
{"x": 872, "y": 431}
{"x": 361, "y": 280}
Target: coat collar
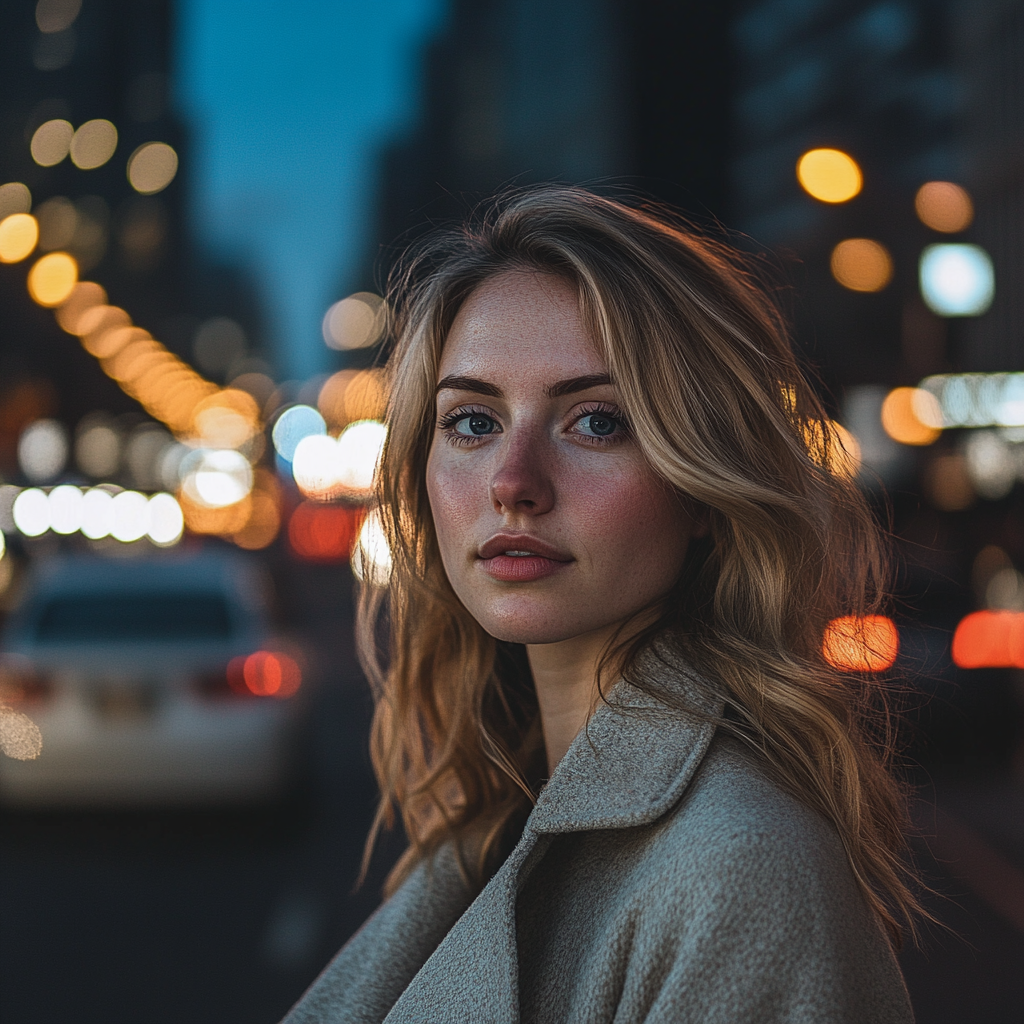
{"x": 631, "y": 763}
{"x": 629, "y": 767}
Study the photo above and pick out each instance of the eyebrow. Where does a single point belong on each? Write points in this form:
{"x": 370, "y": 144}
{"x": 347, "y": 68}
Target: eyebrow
{"x": 569, "y": 386}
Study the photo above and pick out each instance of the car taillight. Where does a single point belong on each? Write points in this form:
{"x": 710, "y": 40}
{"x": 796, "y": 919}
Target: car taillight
{"x": 262, "y": 674}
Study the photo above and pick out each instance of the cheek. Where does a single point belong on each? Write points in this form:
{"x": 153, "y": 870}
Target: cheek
{"x": 630, "y": 519}
{"x": 451, "y": 496}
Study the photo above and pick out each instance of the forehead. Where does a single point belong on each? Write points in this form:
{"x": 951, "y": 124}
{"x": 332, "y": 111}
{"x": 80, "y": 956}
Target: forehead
{"x": 522, "y": 325}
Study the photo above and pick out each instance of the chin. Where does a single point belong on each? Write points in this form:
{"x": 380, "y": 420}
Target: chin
{"x": 531, "y": 626}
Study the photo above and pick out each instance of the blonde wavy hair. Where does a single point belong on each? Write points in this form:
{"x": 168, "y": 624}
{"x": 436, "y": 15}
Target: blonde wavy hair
{"x": 718, "y": 405}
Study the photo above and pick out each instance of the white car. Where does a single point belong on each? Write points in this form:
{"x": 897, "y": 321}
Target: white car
{"x": 151, "y": 681}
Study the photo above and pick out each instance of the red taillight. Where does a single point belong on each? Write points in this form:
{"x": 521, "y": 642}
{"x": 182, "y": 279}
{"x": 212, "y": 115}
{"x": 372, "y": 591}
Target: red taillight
{"x": 263, "y": 674}
{"x": 266, "y": 674}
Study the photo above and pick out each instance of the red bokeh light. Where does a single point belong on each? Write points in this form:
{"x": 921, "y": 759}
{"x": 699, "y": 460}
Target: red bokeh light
{"x": 855, "y": 644}
{"x": 324, "y": 533}
{"x": 265, "y": 674}
{"x": 990, "y": 639}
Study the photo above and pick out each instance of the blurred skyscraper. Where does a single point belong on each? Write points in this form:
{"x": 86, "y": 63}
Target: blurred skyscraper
{"x": 915, "y": 90}
{"x": 593, "y": 91}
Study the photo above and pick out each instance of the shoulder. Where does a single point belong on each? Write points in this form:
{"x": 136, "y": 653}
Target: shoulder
{"x": 737, "y": 833}
{"x": 748, "y": 892}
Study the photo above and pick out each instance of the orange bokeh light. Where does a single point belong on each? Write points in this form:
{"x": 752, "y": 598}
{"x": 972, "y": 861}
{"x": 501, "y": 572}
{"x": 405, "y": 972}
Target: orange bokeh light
{"x": 221, "y": 521}
{"x": 912, "y": 416}
{"x": 84, "y": 296}
{"x": 324, "y": 533}
{"x": 944, "y": 207}
{"x": 351, "y": 395}
{"x": 861, "y": 644}
{"x": 264, "y": 520}
{"x": 990, "y": 639}
{"x": 861, "y": 264}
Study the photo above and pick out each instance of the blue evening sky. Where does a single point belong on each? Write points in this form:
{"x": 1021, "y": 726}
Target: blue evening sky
{"x": 288, "y": 103}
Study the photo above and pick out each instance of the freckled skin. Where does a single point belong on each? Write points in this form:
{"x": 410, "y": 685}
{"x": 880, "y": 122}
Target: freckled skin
{"x": 540, "y": 473}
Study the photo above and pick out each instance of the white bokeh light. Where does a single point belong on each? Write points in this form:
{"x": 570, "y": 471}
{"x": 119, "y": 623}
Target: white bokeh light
{"x": 957, "y": 279}
{"x": 166, "y": 522}
{"x": 65, "y": 509}
{"x": 293, "y": 426}
{"x": 371, "y": 557}
{"x": 131, "y": 516}
{"x": 31, "y": 512}
{"x": 97, "y": 514}
{"x": 316, "y": 466}
{"x": 216, "y": 478}
{"x": 324, "y": 468}
{"x": 360, "y": 447}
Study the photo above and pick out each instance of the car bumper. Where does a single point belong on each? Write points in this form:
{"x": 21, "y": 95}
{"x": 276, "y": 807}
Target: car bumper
{"x": 184, "y": 753}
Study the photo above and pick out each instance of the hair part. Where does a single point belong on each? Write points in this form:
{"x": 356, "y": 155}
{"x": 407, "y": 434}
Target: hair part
{"x": 720, "y": 409}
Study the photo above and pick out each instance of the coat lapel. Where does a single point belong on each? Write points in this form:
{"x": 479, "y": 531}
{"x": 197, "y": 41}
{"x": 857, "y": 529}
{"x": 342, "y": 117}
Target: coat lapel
{"x": 628, "y": 767}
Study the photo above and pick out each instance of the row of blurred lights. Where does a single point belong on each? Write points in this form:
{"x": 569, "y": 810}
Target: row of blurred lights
{"x": 150, "y": 168}
{"x": 956, "y": 279}
{"x": 95, "y": 512}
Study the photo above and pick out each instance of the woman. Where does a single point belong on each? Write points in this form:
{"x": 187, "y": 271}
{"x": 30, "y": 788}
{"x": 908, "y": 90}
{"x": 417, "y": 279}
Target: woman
{"x": 633, "y": 788}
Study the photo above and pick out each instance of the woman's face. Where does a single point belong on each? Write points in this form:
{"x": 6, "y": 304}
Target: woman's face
{"x": 550, "y": 523}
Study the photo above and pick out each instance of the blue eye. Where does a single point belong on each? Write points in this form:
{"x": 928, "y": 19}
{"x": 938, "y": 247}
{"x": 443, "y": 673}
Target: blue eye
{"x": 474, "y": 425}
{"x": 597, "y": 424}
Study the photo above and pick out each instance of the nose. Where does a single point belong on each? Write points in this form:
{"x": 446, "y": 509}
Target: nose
{"x": 522, "y": 481}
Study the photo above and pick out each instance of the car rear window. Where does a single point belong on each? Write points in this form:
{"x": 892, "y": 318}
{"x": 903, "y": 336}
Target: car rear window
{"x": 95, "y": 618}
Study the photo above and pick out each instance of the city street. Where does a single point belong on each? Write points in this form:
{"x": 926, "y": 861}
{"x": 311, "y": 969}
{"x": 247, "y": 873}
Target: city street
{"x": 217, "y": 916}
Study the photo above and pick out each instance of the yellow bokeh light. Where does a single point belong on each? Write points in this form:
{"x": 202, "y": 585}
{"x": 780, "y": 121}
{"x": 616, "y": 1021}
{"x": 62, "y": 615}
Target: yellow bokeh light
{"x": 18, "y": 236}
{"x": 943, "y": 206}
{"x": 829, "y": 175}
{"x": 105, "y": 344}
{"x": 132, "y": 359}
{"x": 93, "y": 144}
{"x": 862, "y": 265}
{"x": 910, "y": 415}
{"x": 226, "y": 419}
{"x": 152, "y": 167}
{"x": 52, "y": 278}
{"x": 84, "y": 296}
{"x": 51, "y": 142}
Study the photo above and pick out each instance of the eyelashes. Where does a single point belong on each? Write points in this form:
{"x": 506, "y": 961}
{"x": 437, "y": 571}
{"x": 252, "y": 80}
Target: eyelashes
{"x": 469, "y": 424}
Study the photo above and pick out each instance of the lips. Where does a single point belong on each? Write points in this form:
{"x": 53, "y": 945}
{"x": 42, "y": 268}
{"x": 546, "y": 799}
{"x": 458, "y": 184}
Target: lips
{"x": 519, "y": 559}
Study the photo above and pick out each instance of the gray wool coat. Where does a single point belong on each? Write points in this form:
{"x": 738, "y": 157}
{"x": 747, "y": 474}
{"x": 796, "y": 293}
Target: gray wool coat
{"x": 661, "y": 877}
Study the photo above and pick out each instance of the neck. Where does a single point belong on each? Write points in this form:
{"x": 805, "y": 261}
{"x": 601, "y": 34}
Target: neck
{"x": 565, "y": 677}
